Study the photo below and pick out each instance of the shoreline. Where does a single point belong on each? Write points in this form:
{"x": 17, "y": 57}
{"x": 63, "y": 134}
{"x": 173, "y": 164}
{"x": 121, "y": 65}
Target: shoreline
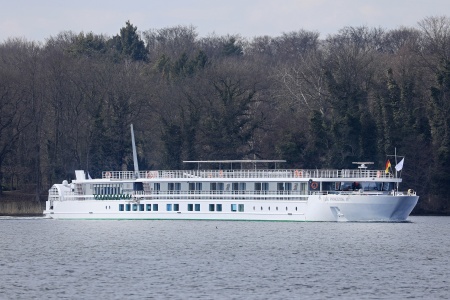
{"x": 17, "y": 204}
{"x": 21, "y": 208}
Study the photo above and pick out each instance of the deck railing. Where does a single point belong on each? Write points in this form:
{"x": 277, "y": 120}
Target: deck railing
{"x": 205, "y": 174}
{"x": 206, "y": 195}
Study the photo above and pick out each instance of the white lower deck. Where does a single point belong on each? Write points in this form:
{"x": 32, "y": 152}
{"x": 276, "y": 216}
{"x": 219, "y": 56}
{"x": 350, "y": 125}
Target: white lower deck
{"x": 317, "y": 208}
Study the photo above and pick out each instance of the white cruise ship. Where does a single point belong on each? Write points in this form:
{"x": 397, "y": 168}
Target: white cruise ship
{"x": 250, "y": 193}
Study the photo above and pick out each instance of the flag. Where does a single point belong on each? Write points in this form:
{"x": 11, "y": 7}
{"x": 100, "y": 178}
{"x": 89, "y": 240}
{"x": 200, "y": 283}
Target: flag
{"x": 399, "y": 166}
{"x": 388, "y": 166}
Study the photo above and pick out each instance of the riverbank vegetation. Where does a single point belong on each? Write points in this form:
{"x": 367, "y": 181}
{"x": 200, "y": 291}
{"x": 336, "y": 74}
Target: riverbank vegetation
{"x": 19, "y": 204}
{"x": 317, "y": 102}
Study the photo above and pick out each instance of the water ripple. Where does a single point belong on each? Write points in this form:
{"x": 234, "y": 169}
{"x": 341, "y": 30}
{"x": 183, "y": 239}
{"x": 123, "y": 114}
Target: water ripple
{"x": 41, "y": 258}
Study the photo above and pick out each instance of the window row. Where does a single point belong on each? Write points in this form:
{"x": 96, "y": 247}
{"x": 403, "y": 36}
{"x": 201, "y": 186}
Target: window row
{"x": 107, "y": 189}
{"x": 138, "y": 207}
{"x": 232, "y": 186}
{"x": 276, "y": 208}
{"x": 176, "y": 207}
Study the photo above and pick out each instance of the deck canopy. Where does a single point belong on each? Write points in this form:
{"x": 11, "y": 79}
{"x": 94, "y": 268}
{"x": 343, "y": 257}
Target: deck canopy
{"x": 234, "y": 161}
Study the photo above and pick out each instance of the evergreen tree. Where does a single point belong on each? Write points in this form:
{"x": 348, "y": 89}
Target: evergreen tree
{"x": 129, "y": 44}
{"x": 440, "y": 128}
{"x": 231, "y": 48}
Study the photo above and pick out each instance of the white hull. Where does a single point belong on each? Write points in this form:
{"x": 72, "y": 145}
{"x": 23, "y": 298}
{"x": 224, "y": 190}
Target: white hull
{"x": 328, "y": 208}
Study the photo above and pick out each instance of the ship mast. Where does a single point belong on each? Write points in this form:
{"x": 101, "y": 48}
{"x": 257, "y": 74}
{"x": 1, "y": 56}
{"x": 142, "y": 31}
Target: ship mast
{"x": 135, "y": 161}
{"x": 396, "y": 162}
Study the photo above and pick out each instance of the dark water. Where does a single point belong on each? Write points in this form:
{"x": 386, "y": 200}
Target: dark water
{"x": 41, "y": 258}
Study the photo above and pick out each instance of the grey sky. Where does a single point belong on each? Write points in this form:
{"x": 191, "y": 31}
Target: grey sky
{"x": 38, "y": 20}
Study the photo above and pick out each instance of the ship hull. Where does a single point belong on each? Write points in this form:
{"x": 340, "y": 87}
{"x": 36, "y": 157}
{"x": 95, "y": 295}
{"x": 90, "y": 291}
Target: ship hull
{"x": 318, "y": 208}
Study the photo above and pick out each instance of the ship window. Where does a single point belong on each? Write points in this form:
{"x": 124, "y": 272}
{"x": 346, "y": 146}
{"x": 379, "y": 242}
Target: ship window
{"x": 219, "y": 207}
{"x": 261, "y": 186}
{"x": 211, "y": 207}
{"x": 155, "y": 207}
{"x": 233, "y": 207}
{"x": 379, "y": 186}
{"x": 280, "y": 186}
{"x": 128, "y": 207}
{"x": 149, "y": 207}
{"x": 169, "y": 207}
{"x": 138, "y": 186}
{"x": 369, "y": 186}
{"x": 141, "y": 207}
{"x": 120, "y": 207}
{"x": 176, "y": 207}
{"x": 190, "y": 207}
{"x": 216, "y": 186}
{"x": 134, "y": 207}
{"x": 197, "y": 207}
{"x": 157, "y": 186}
{"x": 328, "y": 186}
{"x": 174, "y": 186}
{"x": 241, "y": 207}
{"x": 195, "y": 186}
{"x": 388, "y": 186}
{"x": 239, "y": 186}
{"x": 346, "y": 186}
{"x": 284, "y": 186}
{"x": 269, "y": 208}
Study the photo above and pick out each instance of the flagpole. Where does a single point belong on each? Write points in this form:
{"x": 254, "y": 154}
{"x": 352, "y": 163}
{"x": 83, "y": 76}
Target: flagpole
{"x": 395, "y": 156}
{"x": 396, "y": 175}
{"x": 398, "y": 165}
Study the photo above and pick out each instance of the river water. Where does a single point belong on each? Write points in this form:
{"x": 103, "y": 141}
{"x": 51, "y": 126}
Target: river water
{"x": 60, "y": 259}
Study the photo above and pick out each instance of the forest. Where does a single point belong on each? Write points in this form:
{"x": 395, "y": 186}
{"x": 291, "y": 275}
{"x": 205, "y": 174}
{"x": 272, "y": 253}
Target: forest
{"x": 317, "y": 102}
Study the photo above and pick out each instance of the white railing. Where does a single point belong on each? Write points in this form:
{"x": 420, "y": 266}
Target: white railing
{"x": 288, "y": 173}
{"x": 246, "y": 195}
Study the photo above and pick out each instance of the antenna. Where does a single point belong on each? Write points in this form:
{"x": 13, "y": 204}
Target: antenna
{"x": 135, "y": 161}
{"x": 362, "y": 165}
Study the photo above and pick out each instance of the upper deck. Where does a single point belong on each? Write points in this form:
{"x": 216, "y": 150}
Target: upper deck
{"x": 297, "y": 174}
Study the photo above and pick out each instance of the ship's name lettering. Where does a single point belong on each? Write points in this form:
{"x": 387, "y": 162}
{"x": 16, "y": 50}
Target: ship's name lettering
{"x": 335, "y": 199}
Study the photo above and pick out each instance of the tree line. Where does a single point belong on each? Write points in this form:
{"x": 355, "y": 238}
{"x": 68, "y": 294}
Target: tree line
{"x": 358, "y": 95}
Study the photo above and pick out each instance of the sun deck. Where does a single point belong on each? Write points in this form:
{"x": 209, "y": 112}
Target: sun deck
{"x": 249, "y": 174}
